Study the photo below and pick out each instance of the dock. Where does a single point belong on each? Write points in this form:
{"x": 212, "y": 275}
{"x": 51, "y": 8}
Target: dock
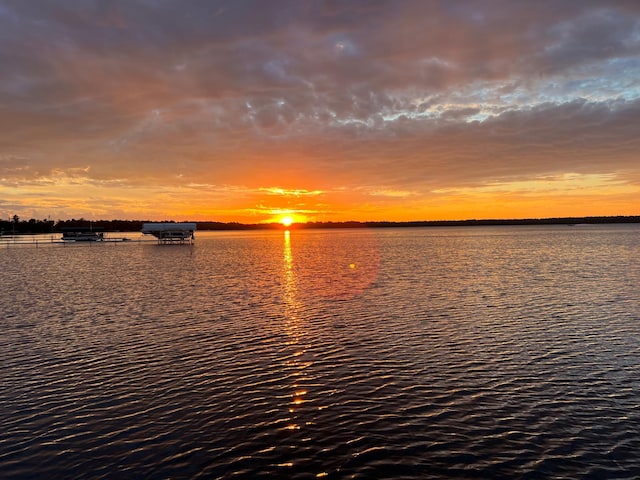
{"x": 164, "y": 233}
{"x": 7, "y": 241}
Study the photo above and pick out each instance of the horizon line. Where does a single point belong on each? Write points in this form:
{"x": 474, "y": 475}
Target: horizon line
{"x": 214, "y": 224}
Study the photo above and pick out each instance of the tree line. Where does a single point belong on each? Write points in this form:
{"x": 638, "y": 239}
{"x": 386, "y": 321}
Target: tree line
{"x": 17, "y": 226}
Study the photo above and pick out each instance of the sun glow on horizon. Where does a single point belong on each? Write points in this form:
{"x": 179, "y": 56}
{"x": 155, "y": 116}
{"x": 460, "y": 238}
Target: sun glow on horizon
{"x": 287, "y": 217}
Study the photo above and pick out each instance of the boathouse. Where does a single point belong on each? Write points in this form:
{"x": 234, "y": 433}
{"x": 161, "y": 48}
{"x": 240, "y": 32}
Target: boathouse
{"x": 171, "y": 233}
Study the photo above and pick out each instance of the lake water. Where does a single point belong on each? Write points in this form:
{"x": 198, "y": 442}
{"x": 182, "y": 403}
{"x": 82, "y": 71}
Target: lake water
{"x": 465, "y": 352}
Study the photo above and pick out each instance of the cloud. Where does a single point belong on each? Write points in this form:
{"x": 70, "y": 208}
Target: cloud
{"x": 304, "y": 96}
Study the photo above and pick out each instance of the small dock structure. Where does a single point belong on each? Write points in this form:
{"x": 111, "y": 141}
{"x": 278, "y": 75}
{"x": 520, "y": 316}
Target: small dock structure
{"x": 171, "y": 233}
{"x": 82, "y": 234}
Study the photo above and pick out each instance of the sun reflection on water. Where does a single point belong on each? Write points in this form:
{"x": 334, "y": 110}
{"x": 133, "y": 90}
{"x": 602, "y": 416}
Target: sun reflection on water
{"x": 295, "y": 334}
{"x": 289, "y": 279}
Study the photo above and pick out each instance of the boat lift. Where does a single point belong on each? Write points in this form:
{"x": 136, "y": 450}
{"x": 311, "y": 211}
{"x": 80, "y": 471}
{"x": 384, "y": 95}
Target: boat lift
{"x": 171, "y": 233}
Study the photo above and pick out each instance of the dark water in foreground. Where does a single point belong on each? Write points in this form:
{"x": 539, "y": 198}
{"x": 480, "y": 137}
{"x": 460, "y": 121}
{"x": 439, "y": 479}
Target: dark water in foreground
{"x": 502, "y": 352}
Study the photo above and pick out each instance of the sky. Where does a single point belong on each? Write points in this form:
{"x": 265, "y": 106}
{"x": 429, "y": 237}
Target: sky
{"x": 249, "y": 111}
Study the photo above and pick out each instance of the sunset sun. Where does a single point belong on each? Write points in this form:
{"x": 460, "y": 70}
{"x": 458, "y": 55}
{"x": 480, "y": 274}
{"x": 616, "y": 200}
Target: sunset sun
{"x": 286, "y": 221}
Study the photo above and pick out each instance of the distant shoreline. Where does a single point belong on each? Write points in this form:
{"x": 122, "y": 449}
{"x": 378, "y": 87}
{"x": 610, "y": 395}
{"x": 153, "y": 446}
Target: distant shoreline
{"x": 48, "y": 226}
{"x": 570, "y": 221}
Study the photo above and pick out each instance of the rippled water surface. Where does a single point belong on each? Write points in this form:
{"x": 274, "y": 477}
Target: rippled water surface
{"x": 501, "y": 352}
